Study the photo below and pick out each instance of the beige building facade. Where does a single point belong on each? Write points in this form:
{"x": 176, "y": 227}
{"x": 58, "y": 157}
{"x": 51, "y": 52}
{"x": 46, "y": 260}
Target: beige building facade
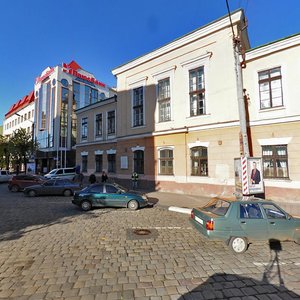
{"x": 96, "y": 138}
{"x": 178, "y": 115}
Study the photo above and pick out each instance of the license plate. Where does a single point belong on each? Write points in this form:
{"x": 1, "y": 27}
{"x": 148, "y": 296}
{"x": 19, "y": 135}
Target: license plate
{"x": 199, "y": 220}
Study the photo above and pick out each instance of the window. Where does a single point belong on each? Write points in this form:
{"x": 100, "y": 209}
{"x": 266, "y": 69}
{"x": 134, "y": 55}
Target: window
{"x": 250, "y": 211}
{"x": 138, "y": 107}
{"x": 111, "y": 159}
{"x": 29, "y": 115}
{"x": 197, "y": 92}
{"x": 111, "y": 122}
{"x": 97, "y": 188}
{"x": 163, "y": 98}
{"x": 87, "y": 95}
{"x": 270, "y": 88}
{"x": 138, "y": 161}
{"x": 110, "y": 189}
{"x": 84, "y": 160}
{"x": 275, "y": 161}
{"x": 166, "y": 162}
{"x": 84, "y": 128}
{"x": 98, "y": 125}
{"x": 94, "y": 95}
{"x": 273, "y": 212}
{"x": 98, "y": 162}
{"x": 199, "y": 161}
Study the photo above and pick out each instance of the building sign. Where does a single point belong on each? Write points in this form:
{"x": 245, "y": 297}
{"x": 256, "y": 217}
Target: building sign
{"x": 67, "y": 69}
{"x": 43, "y": 77}
{"x": 248, "y": 175}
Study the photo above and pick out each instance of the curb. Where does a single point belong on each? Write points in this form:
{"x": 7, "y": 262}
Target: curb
{"x": 180, "y": 209}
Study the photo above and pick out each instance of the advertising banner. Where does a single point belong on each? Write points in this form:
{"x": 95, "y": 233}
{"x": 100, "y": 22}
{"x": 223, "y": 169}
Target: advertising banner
{"x": 248, "y": 176}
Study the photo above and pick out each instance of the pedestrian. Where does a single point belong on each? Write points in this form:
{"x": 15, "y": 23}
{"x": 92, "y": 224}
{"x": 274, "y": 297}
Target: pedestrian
{"x": 134, "y": 179}
{"x": 104, "y": 176}
{"x": 92, "y": 178}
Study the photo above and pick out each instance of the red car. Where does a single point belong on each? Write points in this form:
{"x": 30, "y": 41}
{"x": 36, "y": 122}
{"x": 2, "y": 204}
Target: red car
{"x": 19, "y": 182}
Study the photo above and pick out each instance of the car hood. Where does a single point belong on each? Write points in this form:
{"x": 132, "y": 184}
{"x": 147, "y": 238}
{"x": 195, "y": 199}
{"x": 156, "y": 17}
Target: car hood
{"x": 34, "y": 186}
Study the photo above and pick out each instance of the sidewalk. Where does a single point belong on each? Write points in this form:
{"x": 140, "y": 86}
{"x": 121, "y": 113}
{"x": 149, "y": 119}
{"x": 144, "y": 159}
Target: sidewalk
{"x": 167, "y": 200}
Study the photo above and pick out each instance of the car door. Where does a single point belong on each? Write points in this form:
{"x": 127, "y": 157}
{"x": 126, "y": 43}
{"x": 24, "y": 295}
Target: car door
{"x": 113, "y": 196}
{"x": 252, "y": 221}
{"x": 47, "y": 188}
{"x": 96, "y": 195}
{"x": 280, "y": 226}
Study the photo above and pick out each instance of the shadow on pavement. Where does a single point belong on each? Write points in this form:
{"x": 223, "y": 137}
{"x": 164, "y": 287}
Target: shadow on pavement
{"x": 233, "y": 286}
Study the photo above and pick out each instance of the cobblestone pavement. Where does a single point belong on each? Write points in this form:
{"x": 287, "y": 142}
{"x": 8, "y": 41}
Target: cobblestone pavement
{"x": 50, "y": 249}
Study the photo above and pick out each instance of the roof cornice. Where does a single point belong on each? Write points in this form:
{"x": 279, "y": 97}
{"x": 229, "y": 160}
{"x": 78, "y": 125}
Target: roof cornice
{"x": 186, "y": 39}
{"x": 273, "y": 47}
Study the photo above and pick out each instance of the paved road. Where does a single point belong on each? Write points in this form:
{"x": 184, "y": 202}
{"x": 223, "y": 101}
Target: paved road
{"x": 50, "y": 249}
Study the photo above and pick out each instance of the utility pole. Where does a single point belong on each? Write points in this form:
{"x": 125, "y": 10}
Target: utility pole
{"x": 237, "y": 46}
{"x": 240, "y": 95}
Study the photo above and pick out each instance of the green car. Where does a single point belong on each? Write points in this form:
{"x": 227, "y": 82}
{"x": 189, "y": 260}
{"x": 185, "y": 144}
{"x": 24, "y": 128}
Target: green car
{"x": 108, "y": 195}
{"x": 238, "y": 222}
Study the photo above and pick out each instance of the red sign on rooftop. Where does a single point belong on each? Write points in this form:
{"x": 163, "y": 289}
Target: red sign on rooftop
{"x": 73, "y": 69}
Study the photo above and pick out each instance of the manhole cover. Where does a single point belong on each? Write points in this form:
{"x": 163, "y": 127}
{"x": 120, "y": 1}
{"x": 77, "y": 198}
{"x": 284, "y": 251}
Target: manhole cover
{"x": 142, "y": 231}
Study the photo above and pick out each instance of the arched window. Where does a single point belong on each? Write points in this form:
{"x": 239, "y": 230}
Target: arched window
{"x": 199, "y": 161}
{"x": 138, "y": 161}
{"x": 166, "y": 162}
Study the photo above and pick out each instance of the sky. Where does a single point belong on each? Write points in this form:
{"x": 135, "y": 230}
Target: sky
{"x": 100, "y": 35}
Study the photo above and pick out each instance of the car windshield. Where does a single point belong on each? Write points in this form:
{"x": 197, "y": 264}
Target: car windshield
{"x": 217, "y": 206}
{"x": 53, "y": 171}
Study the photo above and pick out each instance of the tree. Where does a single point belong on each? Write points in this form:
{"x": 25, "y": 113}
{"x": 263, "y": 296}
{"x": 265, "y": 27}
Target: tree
{"x": 4, "y": 153}
{"x": 21, "y": 147}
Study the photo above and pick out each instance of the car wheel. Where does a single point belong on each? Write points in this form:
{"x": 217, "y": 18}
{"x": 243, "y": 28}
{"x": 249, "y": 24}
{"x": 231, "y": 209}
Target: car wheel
{"x": 133, "y": 205}
{"x": 238, "y": 244}
{"x": 15, "y": 188}
{"x": 32, "y": 193}
{"x": 86, "y": 205}
{"x": 67, "y": 193}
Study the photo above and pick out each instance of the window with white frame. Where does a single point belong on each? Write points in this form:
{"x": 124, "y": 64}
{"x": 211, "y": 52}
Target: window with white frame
{"x": 275, "y": 161}
{"x": 98, "y": 163}
{"x": 197, "y": 92}
{"x": 138, "y": 107}
{"x": 164, "y": 100}
{"x": 270, "y": 88}
{"x": 98, "y": 125}
{"x": 111, "y": 122}
{"x": 166, "y": 161}
{"x": 111, "y": 162}
{"x": 138, "y": 161}
{"x": 84, "y": 128}
{"x": 84, "y": 161}
{"x": 199, "y": 161}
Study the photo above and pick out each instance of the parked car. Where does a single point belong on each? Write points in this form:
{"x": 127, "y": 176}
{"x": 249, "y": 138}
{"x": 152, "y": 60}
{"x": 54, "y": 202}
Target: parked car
{"x": 65, "y": 173}
{"x": 239, "y": 222}
{"x": 19, "y": 182}
{"x": 56, "y": 186}
{"x": 108, "y": 195}
{"x": 5, "y": 176}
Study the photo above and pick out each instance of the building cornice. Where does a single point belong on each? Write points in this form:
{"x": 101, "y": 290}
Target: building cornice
{"x": 197, "y": 34}
{"x": 273, "y": 47}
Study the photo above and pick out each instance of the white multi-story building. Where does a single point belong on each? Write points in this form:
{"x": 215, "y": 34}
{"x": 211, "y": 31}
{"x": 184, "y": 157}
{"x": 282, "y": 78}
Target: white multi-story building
{"x": 20, "y": 115}
{"x": 59, "y": 91}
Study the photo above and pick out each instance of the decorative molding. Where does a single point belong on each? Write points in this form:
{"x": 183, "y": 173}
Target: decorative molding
{"x": 84, "y": 153}
{"x": 137, "y": 148}
{"x": 98, "y": 152}
{"x": 111, "y": 151}
{"x": 198, "y": 144}
{"x": 275, "y": 141}
{"x": 195, "y": 35}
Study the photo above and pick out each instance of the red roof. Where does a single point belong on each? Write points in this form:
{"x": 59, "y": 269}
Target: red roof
{"x": 26, "y": 100}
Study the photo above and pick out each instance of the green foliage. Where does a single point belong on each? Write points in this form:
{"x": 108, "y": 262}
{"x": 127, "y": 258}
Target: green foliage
{"x": 17, "y": 149}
